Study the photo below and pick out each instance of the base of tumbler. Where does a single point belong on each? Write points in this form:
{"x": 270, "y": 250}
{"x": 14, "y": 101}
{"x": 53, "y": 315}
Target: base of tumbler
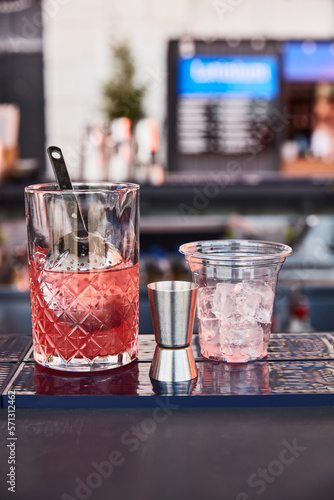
{"x": 253, "y": 348}
{"x": 99, "y": 363}
{"x": 236, "y": 359}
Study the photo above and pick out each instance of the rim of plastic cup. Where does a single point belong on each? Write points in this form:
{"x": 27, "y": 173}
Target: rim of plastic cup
{"x": 222, "y": 251}
{"x": 52, "y": 187}
{"x": 172, "y": 286}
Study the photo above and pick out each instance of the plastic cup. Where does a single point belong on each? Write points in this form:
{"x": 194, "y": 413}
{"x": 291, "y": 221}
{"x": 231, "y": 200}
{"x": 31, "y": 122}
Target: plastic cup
{"x": 237, "y": 283}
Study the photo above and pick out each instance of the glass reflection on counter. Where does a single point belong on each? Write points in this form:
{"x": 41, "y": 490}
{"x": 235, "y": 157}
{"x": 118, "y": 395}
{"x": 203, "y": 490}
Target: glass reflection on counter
{"x": 122, "y": 381}
{"x": 229, "y": 379}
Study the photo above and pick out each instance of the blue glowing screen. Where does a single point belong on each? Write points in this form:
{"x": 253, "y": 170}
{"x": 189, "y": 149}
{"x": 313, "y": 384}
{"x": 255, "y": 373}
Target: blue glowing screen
{"x": 254, "y": 77}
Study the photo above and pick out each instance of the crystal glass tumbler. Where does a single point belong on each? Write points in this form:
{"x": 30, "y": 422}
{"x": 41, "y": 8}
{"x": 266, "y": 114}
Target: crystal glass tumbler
{"x": 237, "y": 283}
{"x": 84, "y": 279}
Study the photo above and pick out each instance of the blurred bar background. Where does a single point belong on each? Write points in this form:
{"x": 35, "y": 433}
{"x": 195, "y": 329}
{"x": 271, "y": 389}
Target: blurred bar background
{"x": 222, "y": 110}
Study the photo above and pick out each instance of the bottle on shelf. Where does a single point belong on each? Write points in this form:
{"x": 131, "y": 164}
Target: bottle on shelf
{"x": 300, "y": 321}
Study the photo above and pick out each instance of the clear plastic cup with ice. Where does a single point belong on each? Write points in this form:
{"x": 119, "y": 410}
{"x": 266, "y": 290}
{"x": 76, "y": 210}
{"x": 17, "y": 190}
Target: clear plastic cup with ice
{"x": 237, "y": 283}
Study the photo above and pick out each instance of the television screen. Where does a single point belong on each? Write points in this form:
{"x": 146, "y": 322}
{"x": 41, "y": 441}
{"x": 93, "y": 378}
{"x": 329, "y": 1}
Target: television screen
{"x": 308, "y": 61}
{"x": 308, "y": 92}
{"x": 225, "y": 103}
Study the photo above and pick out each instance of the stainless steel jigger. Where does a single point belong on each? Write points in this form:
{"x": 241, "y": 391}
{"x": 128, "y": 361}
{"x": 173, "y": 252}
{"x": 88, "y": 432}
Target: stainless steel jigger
{"x": 173, "y": 308}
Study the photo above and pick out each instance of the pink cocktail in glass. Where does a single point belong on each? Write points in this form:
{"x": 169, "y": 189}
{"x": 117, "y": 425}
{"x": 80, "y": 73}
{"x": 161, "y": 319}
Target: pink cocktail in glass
{"x": 84, "y": 311}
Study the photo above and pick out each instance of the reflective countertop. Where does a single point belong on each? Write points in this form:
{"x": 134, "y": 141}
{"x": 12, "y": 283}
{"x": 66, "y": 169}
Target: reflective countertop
{"x": 298, "y": 371}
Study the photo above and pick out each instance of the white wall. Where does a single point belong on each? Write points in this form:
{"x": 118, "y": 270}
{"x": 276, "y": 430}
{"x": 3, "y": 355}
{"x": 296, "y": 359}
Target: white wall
{"x": 77, "y": 36}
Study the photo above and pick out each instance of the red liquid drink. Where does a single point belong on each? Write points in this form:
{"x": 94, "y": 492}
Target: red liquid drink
{"x": 85, "y": 316}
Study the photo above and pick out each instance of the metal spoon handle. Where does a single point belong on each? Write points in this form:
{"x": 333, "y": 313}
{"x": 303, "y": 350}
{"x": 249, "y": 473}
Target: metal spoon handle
{"x": 64, "y": 182}
{"x": 59, "y": 167}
